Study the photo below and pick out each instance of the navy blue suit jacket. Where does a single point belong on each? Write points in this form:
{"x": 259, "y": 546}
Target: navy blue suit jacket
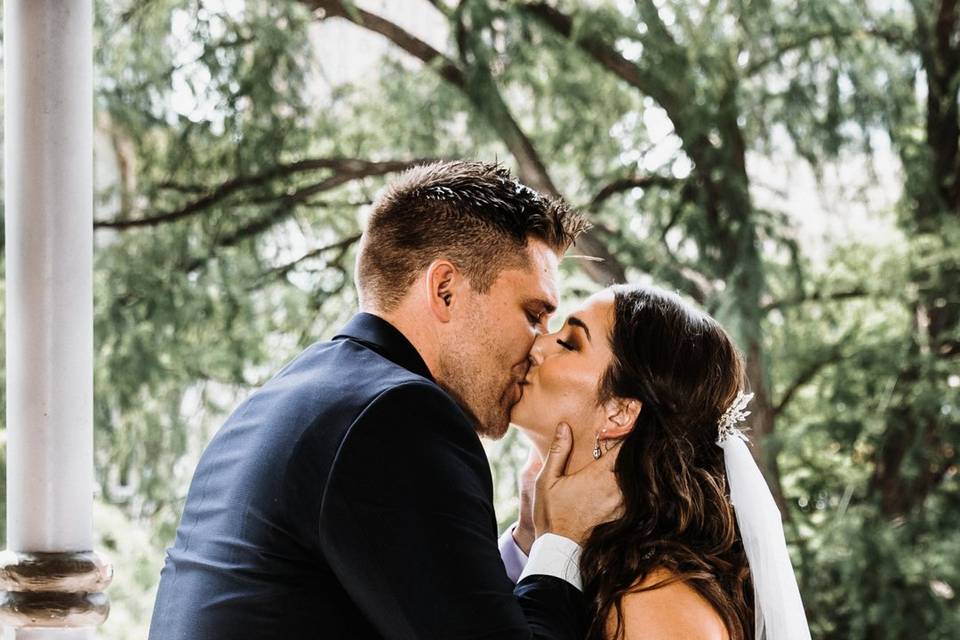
{"x": 350, "y": 497}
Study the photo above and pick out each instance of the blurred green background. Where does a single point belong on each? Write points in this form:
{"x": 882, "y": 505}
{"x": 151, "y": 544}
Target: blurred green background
{"x": 791, "y": 167}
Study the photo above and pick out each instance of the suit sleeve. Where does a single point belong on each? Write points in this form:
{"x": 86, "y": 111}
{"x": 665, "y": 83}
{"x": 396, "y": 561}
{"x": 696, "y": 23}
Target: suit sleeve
{"x": 407, "y": 524}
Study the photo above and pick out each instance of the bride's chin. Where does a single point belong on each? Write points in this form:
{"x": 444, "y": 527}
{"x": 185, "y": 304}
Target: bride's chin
{"x": 522, "y": 418}
{"x": 531, "y": 431}
{"x": 536, "y": 438}
{"x": 517, "y": 420}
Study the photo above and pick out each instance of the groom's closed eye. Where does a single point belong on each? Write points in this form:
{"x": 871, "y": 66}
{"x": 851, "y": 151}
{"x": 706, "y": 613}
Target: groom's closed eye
{"x": 539, "y": 312}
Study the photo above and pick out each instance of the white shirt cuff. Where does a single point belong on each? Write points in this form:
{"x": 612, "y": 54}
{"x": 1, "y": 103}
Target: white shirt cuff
{"x": 556, "y": 556}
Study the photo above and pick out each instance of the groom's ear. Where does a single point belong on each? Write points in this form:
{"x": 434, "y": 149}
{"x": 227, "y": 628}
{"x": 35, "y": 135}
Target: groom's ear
{"x": 621, "y": 415}
{"x": 443, "y": 283}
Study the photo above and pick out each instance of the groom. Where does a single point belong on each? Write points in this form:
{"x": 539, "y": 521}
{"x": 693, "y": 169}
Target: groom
{"x": 350, "y": 497}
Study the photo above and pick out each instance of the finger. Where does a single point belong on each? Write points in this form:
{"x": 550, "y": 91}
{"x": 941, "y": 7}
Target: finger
{"x": 556, "y": 460}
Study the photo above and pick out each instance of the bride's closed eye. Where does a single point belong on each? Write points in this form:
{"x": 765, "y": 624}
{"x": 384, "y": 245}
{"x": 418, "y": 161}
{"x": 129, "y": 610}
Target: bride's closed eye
{"x": 566, "y": 345}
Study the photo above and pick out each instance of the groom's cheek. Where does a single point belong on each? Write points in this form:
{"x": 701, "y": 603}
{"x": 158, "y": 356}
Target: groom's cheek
{"x": 522, "y": 343}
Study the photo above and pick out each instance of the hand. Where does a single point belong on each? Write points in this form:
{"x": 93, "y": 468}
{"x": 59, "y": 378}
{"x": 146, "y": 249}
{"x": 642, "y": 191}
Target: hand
{"x": 525, "y": 533}
{"x": 571, "y": 506}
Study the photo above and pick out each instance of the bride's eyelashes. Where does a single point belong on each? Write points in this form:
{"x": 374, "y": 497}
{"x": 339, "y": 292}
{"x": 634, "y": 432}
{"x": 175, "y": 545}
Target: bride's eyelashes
{"x": 566, "y": 345}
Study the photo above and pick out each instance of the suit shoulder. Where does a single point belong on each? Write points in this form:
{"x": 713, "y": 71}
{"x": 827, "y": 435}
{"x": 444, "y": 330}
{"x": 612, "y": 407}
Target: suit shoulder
{"x": 412, "y": 409}
{"x": 417, "y": 394}
{"x": 419, "y": 419}
{"x": 410, "y": 437}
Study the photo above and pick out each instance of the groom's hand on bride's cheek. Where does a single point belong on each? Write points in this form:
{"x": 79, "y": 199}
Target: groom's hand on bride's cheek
{"x": 572, "y": 505}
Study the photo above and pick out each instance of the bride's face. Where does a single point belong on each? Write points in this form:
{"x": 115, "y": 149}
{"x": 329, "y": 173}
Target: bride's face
{"x": 563, "y": 381}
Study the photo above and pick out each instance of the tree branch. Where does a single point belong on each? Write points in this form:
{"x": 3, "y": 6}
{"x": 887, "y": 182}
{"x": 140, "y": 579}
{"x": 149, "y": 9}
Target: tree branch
{"x": 670, "y": 91}
{"x": 685, "y": 278}
{"x": 346, "y": 169}
{"x": 631, "y": 182}
{"x": 858, "y": 292}
{"x": 283, "y": 210}
{"x": 485, "y": 97}
{"x": 604, "y": 54}
{"x": 891, "y": 36}
{"x": 416, "y": 47}
{"x": 341, "y": 245}
{"x": 835, "y": 354}
{"x": 650, "y": 14}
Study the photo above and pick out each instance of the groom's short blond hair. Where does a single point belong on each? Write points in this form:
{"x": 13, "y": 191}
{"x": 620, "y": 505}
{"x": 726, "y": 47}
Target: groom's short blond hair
{"x": 474, "y": 214}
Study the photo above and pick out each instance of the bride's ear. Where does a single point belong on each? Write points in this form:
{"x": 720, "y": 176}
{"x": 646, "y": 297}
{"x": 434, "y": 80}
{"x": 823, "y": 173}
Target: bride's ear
{"x": 621, "y": 414}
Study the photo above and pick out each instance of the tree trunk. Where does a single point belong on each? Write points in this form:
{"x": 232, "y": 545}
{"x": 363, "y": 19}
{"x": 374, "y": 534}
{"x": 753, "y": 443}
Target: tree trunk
{"x": 915, "y": 452}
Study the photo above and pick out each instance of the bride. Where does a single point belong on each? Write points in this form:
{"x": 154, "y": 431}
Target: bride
{"x": 639, "y": 374}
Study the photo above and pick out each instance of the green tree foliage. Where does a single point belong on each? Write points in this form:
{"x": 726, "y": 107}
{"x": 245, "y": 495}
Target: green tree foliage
{"x": 237, "y": 178}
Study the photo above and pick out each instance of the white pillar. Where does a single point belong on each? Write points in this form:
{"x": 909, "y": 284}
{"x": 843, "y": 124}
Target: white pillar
{"x": 48, "y": 175}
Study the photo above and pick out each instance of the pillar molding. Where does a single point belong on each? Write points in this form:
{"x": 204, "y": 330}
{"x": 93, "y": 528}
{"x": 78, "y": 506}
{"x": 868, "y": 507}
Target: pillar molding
{"x": 53, "y": 590}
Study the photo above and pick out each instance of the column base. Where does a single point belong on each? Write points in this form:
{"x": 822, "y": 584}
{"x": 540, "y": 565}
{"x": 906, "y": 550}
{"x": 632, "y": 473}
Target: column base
{"x": 54, "y": 590}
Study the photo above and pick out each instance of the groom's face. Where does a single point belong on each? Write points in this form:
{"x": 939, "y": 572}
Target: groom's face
{"x": 497, "y": 335}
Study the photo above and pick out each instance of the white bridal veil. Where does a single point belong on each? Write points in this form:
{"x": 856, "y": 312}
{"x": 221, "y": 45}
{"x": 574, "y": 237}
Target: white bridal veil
{"x": 779, "y": 609}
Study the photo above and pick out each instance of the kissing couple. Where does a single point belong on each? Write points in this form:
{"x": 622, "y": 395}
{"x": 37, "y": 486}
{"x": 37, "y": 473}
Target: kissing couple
{"x": 350, "y": 497}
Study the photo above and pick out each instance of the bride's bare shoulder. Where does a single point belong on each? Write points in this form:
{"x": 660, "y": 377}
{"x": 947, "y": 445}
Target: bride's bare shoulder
{"x": 671, "y": 612}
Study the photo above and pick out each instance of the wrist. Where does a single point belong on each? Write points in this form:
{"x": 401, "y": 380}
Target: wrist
{"x": 524, "y": 535}
{"x": 561, "y": 529}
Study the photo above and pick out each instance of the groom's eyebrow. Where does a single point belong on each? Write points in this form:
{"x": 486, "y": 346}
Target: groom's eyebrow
{"x": 577, "y": 322}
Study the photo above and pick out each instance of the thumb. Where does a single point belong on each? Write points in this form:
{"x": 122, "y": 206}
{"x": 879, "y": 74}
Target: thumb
{"x": 556, "y": 460}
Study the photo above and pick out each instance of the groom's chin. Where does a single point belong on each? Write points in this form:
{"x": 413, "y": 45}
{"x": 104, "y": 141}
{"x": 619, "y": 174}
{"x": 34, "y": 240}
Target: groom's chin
{"x": 494, "y": 431}
{"x": 494, "y": 435}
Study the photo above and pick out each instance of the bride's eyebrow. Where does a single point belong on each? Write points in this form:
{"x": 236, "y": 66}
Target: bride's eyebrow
{"x": 577, "y": 322}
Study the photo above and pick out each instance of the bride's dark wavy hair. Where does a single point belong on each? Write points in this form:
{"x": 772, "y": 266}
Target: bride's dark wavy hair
{"x": 685, "y": 369}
